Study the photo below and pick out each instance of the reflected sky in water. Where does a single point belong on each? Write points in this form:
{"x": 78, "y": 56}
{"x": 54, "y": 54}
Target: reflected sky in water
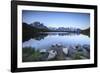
{"x": 49, "y": 40}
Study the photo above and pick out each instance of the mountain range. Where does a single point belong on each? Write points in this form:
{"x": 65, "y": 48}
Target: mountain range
{"x": 40, "y": 26}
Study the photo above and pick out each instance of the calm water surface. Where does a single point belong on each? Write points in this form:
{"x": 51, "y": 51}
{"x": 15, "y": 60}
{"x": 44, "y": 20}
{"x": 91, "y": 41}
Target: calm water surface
{"x": 52, "y": 38}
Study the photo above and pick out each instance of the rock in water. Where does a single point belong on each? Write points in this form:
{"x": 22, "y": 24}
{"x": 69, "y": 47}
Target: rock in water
{"x": 43, "y": 51}
{"x": 87, "y": 47}
{"x": 59, "y": 45}
{"x": 52, "y": 54}
{"x": 65, "y": 51}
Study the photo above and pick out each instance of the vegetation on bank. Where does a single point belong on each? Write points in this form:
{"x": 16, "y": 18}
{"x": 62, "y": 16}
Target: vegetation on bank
{"x": 86, "y": 32}
{"x": 30, "y": 54}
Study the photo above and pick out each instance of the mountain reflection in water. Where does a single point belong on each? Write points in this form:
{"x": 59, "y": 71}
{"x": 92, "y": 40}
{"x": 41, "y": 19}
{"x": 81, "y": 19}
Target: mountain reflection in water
{"x": 47, "y": 39}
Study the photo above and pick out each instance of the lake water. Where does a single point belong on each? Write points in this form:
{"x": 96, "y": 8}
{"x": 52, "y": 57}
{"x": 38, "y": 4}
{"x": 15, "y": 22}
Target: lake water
{"x": 46, "y": 40}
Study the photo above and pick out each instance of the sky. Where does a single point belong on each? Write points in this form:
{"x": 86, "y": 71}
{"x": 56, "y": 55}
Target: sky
{"x": 57, "y": 19}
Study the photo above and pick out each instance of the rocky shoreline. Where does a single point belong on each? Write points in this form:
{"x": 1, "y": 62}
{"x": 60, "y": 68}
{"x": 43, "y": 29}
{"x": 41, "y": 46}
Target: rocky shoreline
{"x": 58, "y": 52}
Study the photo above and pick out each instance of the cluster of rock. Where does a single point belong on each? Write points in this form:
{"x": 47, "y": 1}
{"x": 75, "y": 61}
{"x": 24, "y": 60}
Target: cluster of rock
{"x": 58, "y": 52}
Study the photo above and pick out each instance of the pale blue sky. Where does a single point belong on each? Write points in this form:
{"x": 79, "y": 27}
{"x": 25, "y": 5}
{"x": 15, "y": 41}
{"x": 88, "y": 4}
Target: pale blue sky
{"x": 57, "y": 19}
